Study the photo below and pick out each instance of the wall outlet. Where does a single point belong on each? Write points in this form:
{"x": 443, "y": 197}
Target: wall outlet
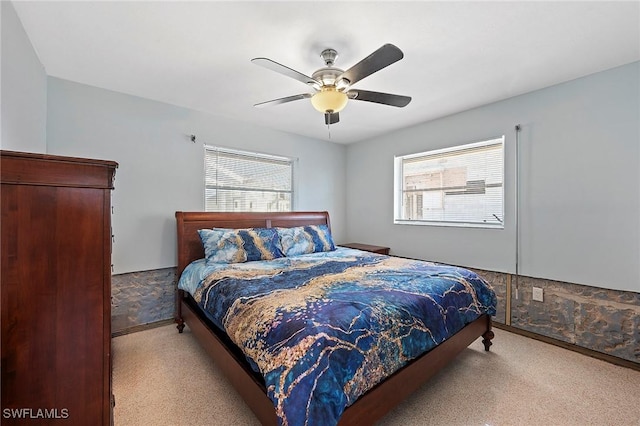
{"x": 538, "y": 294}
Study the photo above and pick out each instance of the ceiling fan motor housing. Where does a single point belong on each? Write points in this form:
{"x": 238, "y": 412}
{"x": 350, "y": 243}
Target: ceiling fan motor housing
{"x": 327, "y": 76}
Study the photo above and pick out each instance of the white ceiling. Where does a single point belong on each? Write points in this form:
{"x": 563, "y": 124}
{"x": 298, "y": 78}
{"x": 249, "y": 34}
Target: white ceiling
{"x": 458, "y": 55}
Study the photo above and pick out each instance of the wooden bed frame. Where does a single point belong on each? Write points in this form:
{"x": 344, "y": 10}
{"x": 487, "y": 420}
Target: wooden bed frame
{"x": 371, "y": 406}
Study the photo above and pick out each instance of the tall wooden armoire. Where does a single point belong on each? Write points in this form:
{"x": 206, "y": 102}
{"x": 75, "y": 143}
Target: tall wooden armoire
{"x": 56, "y": 289}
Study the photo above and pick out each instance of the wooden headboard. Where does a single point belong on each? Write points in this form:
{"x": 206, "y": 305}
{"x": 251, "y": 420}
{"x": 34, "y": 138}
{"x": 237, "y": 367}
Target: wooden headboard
{"x": 189, "y": 244}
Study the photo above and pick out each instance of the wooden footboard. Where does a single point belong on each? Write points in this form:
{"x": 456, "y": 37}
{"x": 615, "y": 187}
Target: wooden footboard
{"x": 370, "y": 407}
{"x": 378, "y": 401}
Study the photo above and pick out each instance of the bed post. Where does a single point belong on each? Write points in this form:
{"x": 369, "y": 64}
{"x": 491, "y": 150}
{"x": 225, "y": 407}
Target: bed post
{"x": 488, "y": 335}
{"x": 180, "y": 267}
{"x": 178, "y": 316}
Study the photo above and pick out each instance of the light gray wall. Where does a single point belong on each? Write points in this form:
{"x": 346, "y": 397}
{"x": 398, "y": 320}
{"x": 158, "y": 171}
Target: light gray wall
{"x": 579, "y": 188}
{"x": 580, "y": 169}
{"x": 161, "y": 170}
{"x": 24, "y": 88}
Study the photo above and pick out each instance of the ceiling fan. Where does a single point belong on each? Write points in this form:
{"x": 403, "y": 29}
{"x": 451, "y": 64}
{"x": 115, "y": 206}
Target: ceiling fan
{"x": 333, "y": 86}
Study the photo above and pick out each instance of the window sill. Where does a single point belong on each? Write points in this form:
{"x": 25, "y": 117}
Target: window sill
{"x": 449, "y": 224}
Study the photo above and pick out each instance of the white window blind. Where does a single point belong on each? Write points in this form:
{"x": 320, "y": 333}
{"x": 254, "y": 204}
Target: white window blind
{"x": 247, "y": 181}
{"x": 459, "y": 186}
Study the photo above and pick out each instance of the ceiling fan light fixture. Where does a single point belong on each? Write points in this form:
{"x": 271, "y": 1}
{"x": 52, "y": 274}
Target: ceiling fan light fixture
{"x": 329, "y": 100}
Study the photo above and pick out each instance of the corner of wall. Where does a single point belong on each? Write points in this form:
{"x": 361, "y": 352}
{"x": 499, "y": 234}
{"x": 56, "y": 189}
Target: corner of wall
{"x": 24, "y": 87}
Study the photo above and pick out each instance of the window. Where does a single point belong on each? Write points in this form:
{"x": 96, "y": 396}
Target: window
{"x": 247, "y": 181}
{"x": 459, "y": 186}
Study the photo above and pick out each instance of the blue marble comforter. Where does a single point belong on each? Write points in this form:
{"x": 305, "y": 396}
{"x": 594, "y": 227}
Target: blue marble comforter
{"x": 326, "y": 327}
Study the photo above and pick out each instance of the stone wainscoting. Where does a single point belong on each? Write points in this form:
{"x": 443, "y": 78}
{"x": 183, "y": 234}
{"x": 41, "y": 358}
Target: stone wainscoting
{"x": 606, "y": 321}
{"x": 140, "y": 298}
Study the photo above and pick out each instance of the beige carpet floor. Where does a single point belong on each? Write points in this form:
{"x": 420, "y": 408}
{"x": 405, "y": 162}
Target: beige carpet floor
{"x": 161, "y": 377}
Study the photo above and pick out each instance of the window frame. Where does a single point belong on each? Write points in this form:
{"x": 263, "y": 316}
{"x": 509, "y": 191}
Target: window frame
{"x": 291, "y": 161}
{"x": 399, "y": 192}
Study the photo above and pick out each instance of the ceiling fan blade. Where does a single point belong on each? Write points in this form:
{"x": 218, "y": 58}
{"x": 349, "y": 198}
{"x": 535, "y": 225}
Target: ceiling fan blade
{"x": 379, "y": 97}
{"x": 274, "y": 66}
{"x": 381, "y": 58}
{"x": 331, "y": 118}
{"x": 284, "y": 100}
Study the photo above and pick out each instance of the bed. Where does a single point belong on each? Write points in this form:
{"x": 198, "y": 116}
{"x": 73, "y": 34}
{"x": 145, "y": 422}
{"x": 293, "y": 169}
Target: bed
{"x": 255, "y": 378}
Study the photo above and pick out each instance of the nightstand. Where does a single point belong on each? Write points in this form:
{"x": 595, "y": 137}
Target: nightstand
{"x": 367, "y": 247}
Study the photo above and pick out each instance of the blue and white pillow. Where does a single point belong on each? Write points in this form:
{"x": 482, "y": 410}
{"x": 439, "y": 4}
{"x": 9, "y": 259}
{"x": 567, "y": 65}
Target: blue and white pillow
{"x": 305, "y": 239}
{"x": 240, "y": 245}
